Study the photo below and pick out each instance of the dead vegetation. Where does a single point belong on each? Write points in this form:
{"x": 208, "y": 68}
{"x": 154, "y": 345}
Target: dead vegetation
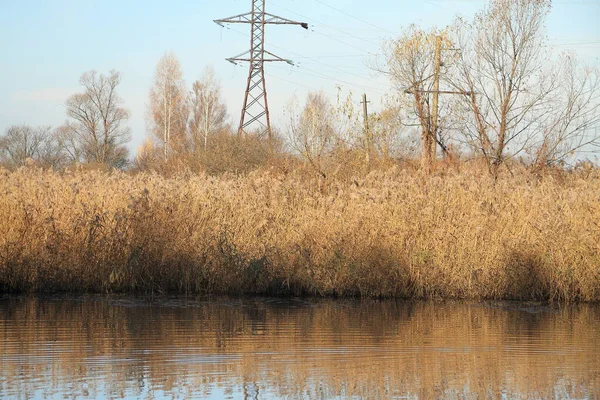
{"x": 388, "y": 234}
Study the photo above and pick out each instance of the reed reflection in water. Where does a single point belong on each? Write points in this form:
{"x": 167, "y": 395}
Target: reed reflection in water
{"x": 115, "y": 347}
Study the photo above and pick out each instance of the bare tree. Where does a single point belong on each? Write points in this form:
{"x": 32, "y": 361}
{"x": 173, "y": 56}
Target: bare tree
{"x": 97, "y": 115}
{"x": 312, "y": 131}
{"x": 207, "y": 112}
{"x": 410, "y": 64}
{"x": 390, "y": 135}
{"x": 25, "y": 145}
{"x": 168, "y": 109}
{"x": 68, "y": 144}
{"x": 569, "y": 127}
{"x": 22, "y": 143}
{"x": 52, "y": 153}
{"x": 501, "y": 64}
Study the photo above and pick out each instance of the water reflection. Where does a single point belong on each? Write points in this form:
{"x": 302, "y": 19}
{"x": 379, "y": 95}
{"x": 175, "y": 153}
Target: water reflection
{"x": 231, "y": 348}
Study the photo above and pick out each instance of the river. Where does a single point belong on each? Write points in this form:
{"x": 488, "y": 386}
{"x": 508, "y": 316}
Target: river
{"x": 255, "y": 348}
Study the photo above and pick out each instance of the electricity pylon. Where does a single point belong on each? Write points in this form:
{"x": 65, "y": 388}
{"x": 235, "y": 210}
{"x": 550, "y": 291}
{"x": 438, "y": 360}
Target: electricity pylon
{"x": 256, "y": 108}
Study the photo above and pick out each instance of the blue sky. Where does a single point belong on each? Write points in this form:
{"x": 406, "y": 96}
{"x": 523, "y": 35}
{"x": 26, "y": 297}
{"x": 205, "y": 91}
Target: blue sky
{"x": 47, "y": 45}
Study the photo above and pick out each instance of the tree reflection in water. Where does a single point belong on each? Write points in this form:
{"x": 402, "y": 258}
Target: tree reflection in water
{"x": 267, "y": 348}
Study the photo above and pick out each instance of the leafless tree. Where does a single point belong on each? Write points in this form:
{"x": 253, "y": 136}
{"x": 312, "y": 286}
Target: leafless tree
{"x": 52, "y": 154}
{"x": 392, "y": 139}
{"x": 410, "y": 64}
{"x": 168, "y": 109}
{"x": 22, "y": 143}
{"x": 501, "y": 67}
{"x": 207, "y": 112}
{"x": 313, "y": 131}
{"x": 68, "y": 144}
{"x": 97, "y": 120}
{"x": 575, "y": 114}
{"x": 25, "y": 145}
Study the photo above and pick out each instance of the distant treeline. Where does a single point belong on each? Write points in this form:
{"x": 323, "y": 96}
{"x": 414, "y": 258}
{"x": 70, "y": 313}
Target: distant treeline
{"x": 487, "y": 89}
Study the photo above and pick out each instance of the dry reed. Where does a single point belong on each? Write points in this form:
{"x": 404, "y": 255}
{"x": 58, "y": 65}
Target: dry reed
{"x": 391, "y": 234}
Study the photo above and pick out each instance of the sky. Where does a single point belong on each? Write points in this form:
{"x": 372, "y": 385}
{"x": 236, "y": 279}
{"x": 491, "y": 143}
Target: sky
{"x": 47, "y": 44}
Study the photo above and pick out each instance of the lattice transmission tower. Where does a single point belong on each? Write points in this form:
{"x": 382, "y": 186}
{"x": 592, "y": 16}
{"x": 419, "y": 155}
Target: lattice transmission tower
{"x": 255, "y": 111}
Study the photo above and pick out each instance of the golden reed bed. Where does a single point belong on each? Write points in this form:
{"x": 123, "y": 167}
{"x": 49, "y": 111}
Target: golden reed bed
{"x": 392, "y": 234}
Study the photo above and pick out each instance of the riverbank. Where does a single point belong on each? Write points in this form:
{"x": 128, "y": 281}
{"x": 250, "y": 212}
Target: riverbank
{"x": 391, "y": 234}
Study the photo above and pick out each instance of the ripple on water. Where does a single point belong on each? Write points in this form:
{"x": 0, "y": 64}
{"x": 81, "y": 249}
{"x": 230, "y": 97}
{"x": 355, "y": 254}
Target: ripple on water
{"x": 271, "y": 348}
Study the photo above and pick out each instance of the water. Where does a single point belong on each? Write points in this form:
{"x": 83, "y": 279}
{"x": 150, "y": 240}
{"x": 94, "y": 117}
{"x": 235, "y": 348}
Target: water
{"x": 120, "y": 347}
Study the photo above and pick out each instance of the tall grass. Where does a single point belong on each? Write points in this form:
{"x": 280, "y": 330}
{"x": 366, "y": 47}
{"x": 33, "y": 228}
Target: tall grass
{"x": 391, "y": 234}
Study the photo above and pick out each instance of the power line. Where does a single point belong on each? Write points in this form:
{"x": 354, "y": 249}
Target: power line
{"x": 326, "y": 65}
{"x": 356, "y": 18}
{"x": 575, "y": 43}
{"x": 437, "y": 5}
{"x": 317, "y": 56}
{"x": 332, "y": 37}
{"x": 353, "y": 29}
{"x": 298, "y": 55}
{"x": 300, "y": 84}
{"x": 296, "y": 83}
{"x": 342, "y": 42}
{"x": 325, "y": 25}
{"x": 374, "y": 41}
{"x": 321, "y": 75}
{"x": 346, "y": 72}
{"x": 330, "y": 78}
{"x": 337, "y": 56}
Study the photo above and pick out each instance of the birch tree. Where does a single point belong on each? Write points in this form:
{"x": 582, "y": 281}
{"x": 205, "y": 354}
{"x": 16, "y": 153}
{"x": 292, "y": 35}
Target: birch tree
{"x": 207, "y": 112}
{"x": 168, "y": 110}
